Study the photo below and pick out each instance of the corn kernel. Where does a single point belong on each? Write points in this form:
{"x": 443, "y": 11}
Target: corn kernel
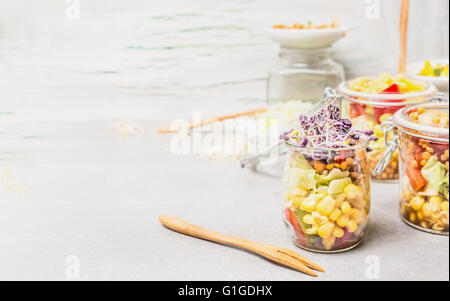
{"x": 338, "y": 232}
{"x": 412, "y": 217}
{"x": 342, "y": 220}
{"x": 352, "y": 226}
{"x": 353, "y": 191}
{"x": 430, "y": 150}
{"x": 309, "y": 205}
{"x": 426, "y": 210}
{"x": 346, "y": 208}
{"x": 308, "y": 219}
{"x": 444, "y": 206}
{"x": 299, "y": 191}
{"x": 335, "y": 214}
{"x": 349, "y": 161}
{"x": 423, "y": 162}
{"x": 420, "y": 215}
{"x": 417, "y": 202}
{"x": 378, "y": 131}
{"x": 344, "y": 165}
{"x": 356, "y": 214}
{"x": 426, "y": 156}
{"x": 385, "y": 116}
{"x": 435, "y": 203}
{"x": 330, "y": 166}
{"x": 420, "y": 110}
{"x": 326, "y": 206}
{"x": 319, "y": 219}
{"x": 325, "y": 230}
{"x": 297, "y": 201}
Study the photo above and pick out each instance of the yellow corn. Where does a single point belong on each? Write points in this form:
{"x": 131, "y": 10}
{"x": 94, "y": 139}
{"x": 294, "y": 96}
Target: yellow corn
{"x": 420, "y": 215}
{"x": 308, "y": 219}
{"x": 417, "y": 202}
{"x": 412, "y": 217}
{"x": 435, "y": 203}
{"x": 444, "y": 206}
{"x": 319, "y": 219}
{"x": 352, "y": 226}
{"x": 342, "y": 220}
{"x": 426, "y": 210}
{"x": 356, "y": 214}
{"x": 297, "y": 202}
{"x": 378, "y": 131}
{"x": 299, "y": 191}
{"x": 335, "y": 214}
{"x": 326, "y": 206}
{"x": 338, "y": 232}
{"x": 353, "y": 191}
{"x": 309, "y": 205}
{"x": 346, "y": 208}
{"x": 325, "y": 230}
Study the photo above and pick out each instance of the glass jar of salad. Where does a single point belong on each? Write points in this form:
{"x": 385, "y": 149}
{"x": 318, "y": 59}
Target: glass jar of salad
{"x": 423, "y": 137}
{"x": 372, "y": 100}
{"x": 327, "y": 199}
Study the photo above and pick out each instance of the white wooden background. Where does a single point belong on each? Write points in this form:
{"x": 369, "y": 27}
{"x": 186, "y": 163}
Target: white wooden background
{"x": 119, "y": 57}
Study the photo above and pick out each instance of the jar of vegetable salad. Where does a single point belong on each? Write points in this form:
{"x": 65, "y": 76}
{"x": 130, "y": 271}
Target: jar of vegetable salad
{"x": 372, "y": 100}
{"x": 327, "y": 199}
{"x": 423, "y": 137}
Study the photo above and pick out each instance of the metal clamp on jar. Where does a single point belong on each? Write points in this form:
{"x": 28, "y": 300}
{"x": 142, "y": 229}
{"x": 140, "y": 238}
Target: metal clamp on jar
{"x": 422, "y": 134}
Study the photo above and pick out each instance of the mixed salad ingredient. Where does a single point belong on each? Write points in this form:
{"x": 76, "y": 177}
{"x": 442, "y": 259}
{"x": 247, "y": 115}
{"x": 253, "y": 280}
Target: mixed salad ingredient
{"x": 385, "y": 83}
{"x": 374, "y": 115}
{"x": 328, "y": 183}
{"x": 436, "y": 71}
{"x": 425, "y": 175}
{"x": 309, "y": 25}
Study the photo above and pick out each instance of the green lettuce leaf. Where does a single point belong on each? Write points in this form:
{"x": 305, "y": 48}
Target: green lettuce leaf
{"x": 436, "y": 174}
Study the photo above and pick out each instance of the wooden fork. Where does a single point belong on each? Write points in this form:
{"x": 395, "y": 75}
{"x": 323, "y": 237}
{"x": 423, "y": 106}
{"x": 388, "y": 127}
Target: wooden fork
{"x": 281, "y": 255}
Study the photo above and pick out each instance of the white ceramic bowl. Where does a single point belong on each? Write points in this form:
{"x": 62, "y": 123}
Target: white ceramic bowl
{"x": 440, "y": 82}
{"x": 306, "y": 38}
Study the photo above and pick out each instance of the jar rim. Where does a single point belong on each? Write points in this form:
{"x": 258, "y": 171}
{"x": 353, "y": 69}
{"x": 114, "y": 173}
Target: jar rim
{"x": 429, "y": 92}
{"x": 401, "y": 121}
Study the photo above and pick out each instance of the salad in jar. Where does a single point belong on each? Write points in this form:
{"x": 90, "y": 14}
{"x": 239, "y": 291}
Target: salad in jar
{"x": 372, "y": 100}
{"x": 425, "y": 171}
{"x": 327, "y": 198}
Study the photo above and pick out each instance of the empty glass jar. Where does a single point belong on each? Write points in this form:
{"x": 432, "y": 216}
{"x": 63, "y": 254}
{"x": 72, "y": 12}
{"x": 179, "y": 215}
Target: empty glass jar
{"x": 302, "y": 74}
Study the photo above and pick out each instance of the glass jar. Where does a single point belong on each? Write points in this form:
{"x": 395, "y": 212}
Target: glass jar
{"x": 327, "y": 199}
{"x": 423, "y": 137}
{"x": 371, "y": 109}
{"x": 302, "y": 74}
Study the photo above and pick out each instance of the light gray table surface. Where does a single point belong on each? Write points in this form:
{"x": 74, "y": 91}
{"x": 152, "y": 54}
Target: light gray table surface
{"x": 79, "y": 202}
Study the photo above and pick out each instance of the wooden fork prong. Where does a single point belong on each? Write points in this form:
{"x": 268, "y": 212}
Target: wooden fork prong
{"x": 293, "y": 263}
{"x": 304, "y": 260}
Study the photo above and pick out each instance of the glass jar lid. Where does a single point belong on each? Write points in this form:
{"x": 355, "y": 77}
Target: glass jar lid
{"x": 388, "y": 99}
{"x": 428, "y": 121}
